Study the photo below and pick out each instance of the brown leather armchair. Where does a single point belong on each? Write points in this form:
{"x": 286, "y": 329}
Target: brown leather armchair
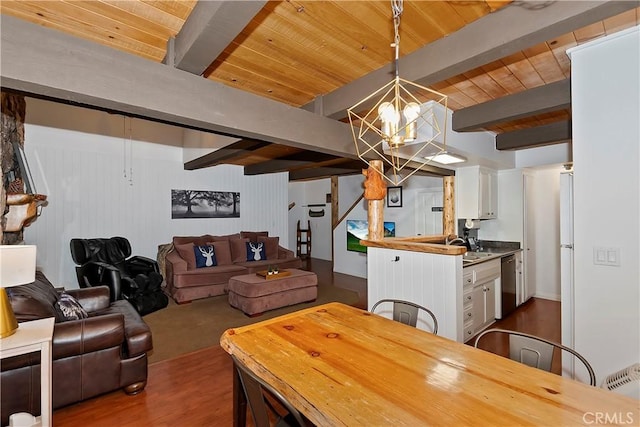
{"x": 91, "y": 356}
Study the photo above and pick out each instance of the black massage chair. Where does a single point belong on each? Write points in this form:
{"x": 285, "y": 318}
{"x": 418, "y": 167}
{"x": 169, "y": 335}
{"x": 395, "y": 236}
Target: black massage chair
{"x": 105, "y": 262}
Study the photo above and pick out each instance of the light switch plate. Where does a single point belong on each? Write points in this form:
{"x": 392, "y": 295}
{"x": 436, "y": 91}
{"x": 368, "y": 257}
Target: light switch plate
{"x": 606, "y": 256}
{"x": 613, "y": 256}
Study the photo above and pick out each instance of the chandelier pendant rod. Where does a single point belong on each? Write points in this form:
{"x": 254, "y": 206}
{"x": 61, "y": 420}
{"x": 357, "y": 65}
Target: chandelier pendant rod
{"x": 390, "y": 129}
{"x": 397, "y": 8}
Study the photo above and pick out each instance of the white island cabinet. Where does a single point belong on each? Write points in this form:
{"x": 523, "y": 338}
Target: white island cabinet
{"x": 429, "y": 279}
{"x": 481, "y": 297}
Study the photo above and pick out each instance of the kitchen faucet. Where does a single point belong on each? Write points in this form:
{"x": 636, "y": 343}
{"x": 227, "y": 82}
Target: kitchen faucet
{"x": 458, "y": 241}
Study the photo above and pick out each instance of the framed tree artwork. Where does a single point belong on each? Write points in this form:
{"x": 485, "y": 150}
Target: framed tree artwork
{"x": 204, "y": 204}
{"x": 394, "y": 197}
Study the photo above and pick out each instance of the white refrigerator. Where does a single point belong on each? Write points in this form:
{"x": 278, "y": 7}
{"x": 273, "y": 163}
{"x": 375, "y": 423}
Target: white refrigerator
{"x": 567, "y": 291}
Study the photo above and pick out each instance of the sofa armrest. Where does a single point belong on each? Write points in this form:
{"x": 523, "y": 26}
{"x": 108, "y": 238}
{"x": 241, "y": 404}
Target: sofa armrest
{"x": 76, "y": 337}
{"x": 92, "y": 299}
{"x": 284, "y": 253}
{"x": 173, "y": 264}
{"x": 176, "y": 261}
{"x": 137, "y": 333}
{"x": 139, "y": 339}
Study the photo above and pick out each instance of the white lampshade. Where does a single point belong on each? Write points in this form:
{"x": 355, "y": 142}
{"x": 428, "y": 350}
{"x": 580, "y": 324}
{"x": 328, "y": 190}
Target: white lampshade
{"x": 17, "y": 265}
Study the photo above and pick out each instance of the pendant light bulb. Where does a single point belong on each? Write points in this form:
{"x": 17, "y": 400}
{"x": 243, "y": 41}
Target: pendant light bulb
{"x": 411, "y": 112}
{"x": 389, "y": 117}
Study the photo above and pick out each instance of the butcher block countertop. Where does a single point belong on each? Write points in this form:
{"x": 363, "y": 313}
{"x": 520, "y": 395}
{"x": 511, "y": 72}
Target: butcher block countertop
{"x": 428, "y": 244}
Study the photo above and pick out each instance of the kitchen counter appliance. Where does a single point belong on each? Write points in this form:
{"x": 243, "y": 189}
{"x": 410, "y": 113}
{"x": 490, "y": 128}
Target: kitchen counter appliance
{"x": 472, "y": 244}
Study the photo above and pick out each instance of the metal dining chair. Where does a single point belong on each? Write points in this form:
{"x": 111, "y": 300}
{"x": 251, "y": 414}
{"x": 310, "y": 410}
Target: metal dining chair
{"x": 257, "y": 391}
{"x": 407, "y": 312}
{"x": 535, "y": 351}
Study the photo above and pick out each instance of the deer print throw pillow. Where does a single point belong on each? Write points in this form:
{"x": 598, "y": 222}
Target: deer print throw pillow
{"x": 255, "y": 251}
{"x": 205, "y": 256}
{"x": 70, "y": 308}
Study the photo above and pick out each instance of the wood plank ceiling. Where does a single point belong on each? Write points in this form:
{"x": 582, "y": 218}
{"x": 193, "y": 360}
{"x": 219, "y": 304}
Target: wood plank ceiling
{"x": 295, "y": 51}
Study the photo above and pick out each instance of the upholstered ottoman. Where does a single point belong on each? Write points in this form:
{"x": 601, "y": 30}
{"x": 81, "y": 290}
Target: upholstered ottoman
{"x": 254, "y": 294}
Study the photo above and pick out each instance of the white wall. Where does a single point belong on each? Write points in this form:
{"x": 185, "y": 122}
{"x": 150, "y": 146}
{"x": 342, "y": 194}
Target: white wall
{"x": 297, "y": 198}
{"x": 605, "y": 100}
{"x": 316, "y": 192}
{"x": 311, "y": 193}
{"x": 79, "y": 158}
{"x": 543, "y": 156}
{"x": 405, "y": 217}
{"x": 350, "y": 188}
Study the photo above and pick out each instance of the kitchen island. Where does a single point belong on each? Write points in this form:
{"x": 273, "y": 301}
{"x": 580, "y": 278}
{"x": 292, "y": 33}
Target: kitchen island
{"x": 424, "y": 270}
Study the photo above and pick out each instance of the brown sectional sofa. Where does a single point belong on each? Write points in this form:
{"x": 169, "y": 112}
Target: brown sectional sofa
{"x": 186, "y": 281}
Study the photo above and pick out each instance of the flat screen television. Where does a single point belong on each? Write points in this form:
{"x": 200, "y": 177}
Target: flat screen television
{"x": 358, "y": 229}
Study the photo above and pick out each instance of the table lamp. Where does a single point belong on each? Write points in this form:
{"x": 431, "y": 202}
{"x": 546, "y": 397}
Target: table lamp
{"x": 17, "y": 267}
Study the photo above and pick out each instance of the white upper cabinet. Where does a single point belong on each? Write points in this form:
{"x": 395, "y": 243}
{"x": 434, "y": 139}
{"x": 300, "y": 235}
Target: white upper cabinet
{"x": 477, "y": 189}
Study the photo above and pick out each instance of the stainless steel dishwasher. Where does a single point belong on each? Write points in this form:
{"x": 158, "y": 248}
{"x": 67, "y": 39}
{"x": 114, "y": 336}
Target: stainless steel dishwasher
{"x": 508, "y": 284}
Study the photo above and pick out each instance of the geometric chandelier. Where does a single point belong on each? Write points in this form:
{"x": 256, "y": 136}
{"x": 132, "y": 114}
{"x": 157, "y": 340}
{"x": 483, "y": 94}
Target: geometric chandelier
{"x": 401, "y": 127}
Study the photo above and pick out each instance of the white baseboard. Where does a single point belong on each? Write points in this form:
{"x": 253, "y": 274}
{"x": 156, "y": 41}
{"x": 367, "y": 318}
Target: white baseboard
{"x": 552, "y": 297}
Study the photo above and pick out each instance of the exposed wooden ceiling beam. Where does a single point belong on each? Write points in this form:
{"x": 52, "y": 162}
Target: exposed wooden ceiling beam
{"x": 499, "y": 34}
{"x": 281, "y": 165}
{"x": 245, "y": 146}
{"x": 542, "y": 99}
{"x": 553, "y": 133}
{"x": 307, "y": 156}
{"x": 46, "y": 63}
{"x": 325, "y": 172}
{"x": 315, "y": 173}
{"x": 273, "y": 166}
{"x": 209, "y": 29}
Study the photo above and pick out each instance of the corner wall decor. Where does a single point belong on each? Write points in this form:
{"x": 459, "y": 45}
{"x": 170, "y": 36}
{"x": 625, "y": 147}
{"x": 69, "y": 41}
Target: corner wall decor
{"x": 397, "y": 123}
{"x": 20, "y": 203}
{"x": 204, "y": 204}
{"x": 316, "y": 213}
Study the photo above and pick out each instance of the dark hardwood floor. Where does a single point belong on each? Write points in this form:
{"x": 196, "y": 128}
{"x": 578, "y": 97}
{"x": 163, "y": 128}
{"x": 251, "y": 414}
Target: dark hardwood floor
{"x": 325, "y": 273}
{"x": 196, "y": 389}
{"x": 538, "y": 317}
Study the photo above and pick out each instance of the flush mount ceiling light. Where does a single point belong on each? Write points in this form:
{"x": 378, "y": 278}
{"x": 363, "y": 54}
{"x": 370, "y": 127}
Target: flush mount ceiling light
{"x": 399, "y": 114}
{"x": 446, "y": 158}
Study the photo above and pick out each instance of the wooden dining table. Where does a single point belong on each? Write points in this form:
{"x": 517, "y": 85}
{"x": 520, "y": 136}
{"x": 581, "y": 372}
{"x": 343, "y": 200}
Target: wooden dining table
{"x": 342, "y": 366}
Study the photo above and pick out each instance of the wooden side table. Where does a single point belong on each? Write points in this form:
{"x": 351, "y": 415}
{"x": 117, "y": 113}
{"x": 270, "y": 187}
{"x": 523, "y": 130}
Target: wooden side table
{"x": 34, "y": 336}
